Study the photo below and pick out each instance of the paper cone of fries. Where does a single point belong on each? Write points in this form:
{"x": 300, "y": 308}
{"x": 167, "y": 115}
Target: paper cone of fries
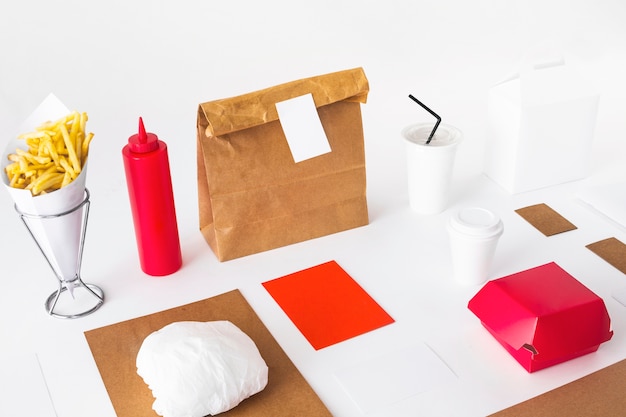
{"x": 55, "y": 219}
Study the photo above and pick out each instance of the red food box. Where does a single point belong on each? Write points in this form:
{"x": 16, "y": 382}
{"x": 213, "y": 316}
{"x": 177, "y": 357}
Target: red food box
{"x": 542, "y": 316}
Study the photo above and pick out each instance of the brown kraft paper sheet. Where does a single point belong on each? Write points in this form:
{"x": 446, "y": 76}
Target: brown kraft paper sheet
{"x": 611, "y": 250}
{"x": 599, "y": 394}
{"x": 545, "y": 219}
{"x": 252, "y": 195}
{"x": 115, "y": 348}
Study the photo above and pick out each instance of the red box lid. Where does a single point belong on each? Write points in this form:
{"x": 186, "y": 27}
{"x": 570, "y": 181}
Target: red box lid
{"x": 542, "y": 316}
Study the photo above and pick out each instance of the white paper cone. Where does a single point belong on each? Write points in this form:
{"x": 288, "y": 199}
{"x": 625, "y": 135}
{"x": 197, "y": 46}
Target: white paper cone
{"x": 59, "y": 237}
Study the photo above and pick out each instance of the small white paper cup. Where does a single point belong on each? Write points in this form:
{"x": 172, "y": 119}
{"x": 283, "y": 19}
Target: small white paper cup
{"x": 474, "y": 233}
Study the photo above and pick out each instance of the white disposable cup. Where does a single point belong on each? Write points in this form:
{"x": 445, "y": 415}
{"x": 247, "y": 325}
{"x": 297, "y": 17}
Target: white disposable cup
{"x": 474, "y": 234}
{"x": 430, "y": 165}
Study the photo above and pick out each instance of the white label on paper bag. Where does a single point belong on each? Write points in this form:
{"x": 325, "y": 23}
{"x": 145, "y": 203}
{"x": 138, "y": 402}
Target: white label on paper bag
{"x": 302, "y": 127}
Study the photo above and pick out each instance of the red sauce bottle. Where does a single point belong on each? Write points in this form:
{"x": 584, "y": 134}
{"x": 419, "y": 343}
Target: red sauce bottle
{"x": 152, "y": 203}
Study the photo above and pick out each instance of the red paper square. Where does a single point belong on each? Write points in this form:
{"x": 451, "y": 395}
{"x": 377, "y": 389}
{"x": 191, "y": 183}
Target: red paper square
{"x": 326, "y": 304}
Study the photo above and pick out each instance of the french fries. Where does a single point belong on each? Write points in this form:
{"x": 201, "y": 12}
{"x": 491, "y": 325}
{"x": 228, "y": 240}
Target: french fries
{"x": 57, "y": 152}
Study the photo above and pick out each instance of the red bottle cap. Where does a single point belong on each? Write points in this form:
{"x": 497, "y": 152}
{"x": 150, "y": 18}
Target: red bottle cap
{"x": 143, "y": 142}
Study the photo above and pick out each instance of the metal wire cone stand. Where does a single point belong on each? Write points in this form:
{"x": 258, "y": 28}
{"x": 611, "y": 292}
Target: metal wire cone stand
{"x": 72, "y": 285}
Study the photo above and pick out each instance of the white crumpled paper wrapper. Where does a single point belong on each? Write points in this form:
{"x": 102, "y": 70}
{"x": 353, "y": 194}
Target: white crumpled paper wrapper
{"x": 196, "y": 369}
{"x": 58, "y": 237}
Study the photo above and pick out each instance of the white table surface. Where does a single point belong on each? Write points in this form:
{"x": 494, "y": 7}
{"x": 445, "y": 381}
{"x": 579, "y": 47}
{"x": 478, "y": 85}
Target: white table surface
{"x": 119, "y": 60}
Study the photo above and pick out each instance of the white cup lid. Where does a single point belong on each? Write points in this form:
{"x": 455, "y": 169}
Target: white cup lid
{"x": 445, "y": 135}
{"x": 476, "y": 221}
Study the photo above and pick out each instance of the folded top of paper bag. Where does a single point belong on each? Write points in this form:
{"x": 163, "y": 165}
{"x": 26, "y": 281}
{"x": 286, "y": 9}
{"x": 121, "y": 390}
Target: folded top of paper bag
{"x": 256, "y": 108}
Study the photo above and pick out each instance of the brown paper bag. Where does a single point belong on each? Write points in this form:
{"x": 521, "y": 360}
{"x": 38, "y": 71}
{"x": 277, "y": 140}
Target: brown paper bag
{"x": 252, "y": 195}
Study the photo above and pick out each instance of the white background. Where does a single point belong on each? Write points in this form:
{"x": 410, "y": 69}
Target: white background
{"x": 119, "y": 60}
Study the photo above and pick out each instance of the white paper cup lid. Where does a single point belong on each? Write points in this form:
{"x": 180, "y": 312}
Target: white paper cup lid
{"x": 476, "y": 221}
{"x": 445, "y": 135}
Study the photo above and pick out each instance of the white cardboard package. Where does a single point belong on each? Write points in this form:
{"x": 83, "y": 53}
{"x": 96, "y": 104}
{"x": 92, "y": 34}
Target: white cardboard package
{"x": 540, "y": 128}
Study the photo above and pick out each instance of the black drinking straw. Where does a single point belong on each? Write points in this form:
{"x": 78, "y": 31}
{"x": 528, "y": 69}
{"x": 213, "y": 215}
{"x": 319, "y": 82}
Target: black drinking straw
{"x": 431, "y": 112}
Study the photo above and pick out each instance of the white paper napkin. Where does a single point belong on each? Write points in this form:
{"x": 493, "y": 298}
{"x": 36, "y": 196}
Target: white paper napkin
{"x": 393, "y": 377}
